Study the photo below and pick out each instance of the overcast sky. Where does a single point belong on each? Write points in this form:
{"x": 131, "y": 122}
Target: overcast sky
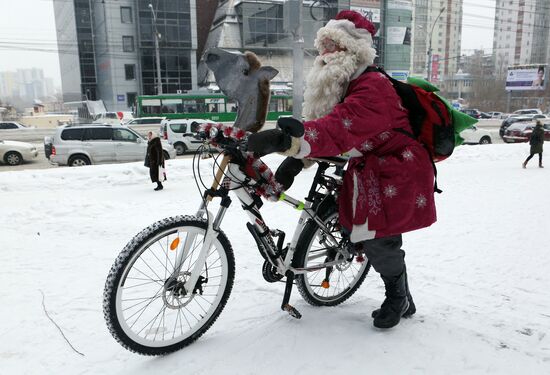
{"x": 28, "y": 39}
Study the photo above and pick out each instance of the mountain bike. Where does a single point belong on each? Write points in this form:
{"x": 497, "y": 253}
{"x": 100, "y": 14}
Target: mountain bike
{"x": 172, "y": 280}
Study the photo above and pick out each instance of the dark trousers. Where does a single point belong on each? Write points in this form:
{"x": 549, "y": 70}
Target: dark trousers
{"x": 530, "y": 156}
{"x": 385, "y": 255}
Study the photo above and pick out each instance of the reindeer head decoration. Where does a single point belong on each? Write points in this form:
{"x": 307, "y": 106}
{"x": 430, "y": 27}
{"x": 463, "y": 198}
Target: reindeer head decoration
{"x": 242, "y": 78}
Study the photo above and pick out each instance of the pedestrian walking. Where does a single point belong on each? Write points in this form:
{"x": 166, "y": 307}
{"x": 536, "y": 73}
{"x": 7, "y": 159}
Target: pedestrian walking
{"x": 536, "y": 141}
{"x": 155, "y": 160}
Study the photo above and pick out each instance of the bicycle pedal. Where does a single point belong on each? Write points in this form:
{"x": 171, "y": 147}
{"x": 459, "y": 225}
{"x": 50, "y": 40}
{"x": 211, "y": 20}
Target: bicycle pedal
{"x": 292, "y": 311}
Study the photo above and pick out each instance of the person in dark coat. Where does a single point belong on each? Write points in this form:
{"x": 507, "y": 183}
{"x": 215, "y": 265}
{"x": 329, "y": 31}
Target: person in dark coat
{"x": 155, "y": 159}
{"x": 388, "y": 187}
{"x": 536, "y": 141}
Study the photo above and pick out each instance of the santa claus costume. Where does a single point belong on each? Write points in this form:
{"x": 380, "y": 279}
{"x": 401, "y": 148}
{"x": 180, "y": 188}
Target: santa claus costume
{"x": 388, "y": 186}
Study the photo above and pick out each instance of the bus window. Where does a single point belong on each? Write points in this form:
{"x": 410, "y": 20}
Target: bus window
{"x": 172, "y": 106}
{"x": 215, "y": 105}
{"x": 273, "y": 105}
{"x": 150, "y": 106}
{"x": 231, "y": 106}
{"x": 193, "y": 105}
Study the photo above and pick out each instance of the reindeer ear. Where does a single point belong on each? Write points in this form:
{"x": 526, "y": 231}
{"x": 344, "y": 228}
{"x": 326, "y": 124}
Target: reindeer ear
{"x": 268, "y": 72}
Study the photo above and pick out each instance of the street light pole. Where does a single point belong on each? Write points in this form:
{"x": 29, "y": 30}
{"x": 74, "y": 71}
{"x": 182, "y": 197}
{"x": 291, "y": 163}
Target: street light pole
{"x": 295, "y": 23}
{"x": 430, "y": 46}
{"x": 157, "y": 52}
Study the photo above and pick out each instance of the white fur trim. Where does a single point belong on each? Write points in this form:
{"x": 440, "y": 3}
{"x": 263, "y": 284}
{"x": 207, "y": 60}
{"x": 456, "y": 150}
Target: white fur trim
{"x": 350, "y": 28}
{"x": 305, "y": 149}
{"x": 294, "y": 147}
{"x": 361, "y": 233}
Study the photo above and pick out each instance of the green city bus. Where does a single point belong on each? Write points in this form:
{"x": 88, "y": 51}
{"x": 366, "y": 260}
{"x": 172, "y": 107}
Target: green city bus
{"x": 215, "y": 107}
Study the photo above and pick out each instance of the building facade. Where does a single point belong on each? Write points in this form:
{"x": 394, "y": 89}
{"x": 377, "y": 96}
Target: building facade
{"x": 521, "y": 33}
{"x": 107, "y": 48}
{"x": 262, "y": 27}
{"x": 437, "y": 24}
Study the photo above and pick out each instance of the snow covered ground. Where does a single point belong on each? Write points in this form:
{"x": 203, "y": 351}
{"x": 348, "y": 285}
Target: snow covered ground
{"x": 479, "y": 276}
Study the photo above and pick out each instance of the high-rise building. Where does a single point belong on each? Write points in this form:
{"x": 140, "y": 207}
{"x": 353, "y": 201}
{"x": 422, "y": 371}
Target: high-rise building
{"x": 26, "y": 84}
{"x": 437, "y": 24}
{"x": 521, "y": 33}
{"x": 107, "y": 48}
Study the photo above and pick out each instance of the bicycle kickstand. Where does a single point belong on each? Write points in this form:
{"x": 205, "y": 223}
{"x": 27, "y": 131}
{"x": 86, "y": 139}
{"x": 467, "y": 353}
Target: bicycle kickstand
{"x": 285, "y": 306}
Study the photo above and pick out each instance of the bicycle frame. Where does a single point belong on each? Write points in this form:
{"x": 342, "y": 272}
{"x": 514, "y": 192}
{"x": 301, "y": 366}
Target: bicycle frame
{"x": 231, "y": 178}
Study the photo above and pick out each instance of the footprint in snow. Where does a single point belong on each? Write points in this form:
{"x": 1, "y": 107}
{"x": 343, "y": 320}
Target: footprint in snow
{"x": 526, "y": 331}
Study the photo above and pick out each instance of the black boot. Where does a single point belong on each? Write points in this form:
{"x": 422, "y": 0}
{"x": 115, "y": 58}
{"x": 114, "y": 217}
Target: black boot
{"x": 159, "y": 186}
{"x": 396, "y": 303}
{"x": 412, "y": 308}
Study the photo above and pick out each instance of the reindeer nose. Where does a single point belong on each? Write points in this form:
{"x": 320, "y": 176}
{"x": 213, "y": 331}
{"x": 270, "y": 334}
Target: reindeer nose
{"x": 212, "y": 57}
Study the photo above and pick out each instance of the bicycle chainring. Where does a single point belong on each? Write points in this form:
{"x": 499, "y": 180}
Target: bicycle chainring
{"x": 270, "y": 273}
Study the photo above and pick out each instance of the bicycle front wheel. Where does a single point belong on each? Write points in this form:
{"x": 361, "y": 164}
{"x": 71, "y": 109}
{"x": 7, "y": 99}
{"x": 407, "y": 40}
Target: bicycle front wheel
{"x": 148, "y": 307}
{"x": 326, "y": 286}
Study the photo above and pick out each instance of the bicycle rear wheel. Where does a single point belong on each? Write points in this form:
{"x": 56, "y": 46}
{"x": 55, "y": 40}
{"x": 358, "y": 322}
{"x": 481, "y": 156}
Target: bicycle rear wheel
{"x": 148, "y": 307}
{"x": 313, "y": 249}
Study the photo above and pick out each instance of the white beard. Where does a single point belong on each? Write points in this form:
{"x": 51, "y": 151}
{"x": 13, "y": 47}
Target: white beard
{"x": 326, "y": 82}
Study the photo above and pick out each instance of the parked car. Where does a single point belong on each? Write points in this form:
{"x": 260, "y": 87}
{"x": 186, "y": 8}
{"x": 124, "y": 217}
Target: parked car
{"x": 521, "y": 132}
{"x": 518, "y": 118}
{"x": 94, "y": 144}
{"x": 494, "y": 114}
{"x": 528, "y": 111}
{"x": 484, "y": 115}
{"x": 475, "y": 113}
{"x": 145, "y": 121}
{"x": 15, "y": 153}
{"x": 181, "y": 134}
{"x": 474, "y": 135}
{"x": 12, "y": 125}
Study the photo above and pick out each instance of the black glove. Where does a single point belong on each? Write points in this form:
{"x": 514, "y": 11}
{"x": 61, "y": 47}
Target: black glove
{"x": 288, "y": 169}
{"x": 269, "y": 141}
{"x": 291, "y": 126}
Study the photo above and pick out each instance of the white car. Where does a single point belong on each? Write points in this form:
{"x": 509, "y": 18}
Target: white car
{"x": 94, "y": 144}
{"x": 474, "y": 135}
{"x": 181, "y": 133}
{"x": 12, "y": 125}
{"x": 145, "y": 121}
{"x": 14, "y": 153}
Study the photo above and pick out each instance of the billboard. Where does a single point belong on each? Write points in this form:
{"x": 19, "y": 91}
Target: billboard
{"x": 526, "y": 77}
{"x": 398, "y": 35}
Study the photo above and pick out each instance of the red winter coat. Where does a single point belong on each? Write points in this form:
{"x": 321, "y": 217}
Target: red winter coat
{"x": 389, "y": 188}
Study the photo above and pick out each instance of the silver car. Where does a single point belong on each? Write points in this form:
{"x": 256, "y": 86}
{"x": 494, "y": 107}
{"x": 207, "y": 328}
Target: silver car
{"x": 94, "y": 144}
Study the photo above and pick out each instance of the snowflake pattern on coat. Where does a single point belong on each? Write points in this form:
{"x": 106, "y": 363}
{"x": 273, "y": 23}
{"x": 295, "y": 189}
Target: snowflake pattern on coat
{"x": 384, "y": 136}
{"x": 407, "y": 155}
{"x": 375, "y": 202}
{"x": 367, "y": 146}
{"x": 390, "y": 191}
{"x": 347, "y": 123}
{"x": 421, "y": 201}
{"x": 311, "y": 135}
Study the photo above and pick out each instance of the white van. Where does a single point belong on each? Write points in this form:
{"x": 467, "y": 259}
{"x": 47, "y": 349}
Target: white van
{"x": 181, "y": 133}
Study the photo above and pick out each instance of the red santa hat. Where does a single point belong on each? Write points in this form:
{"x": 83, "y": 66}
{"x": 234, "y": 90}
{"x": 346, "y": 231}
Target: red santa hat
{"x": 351, "y": 30}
